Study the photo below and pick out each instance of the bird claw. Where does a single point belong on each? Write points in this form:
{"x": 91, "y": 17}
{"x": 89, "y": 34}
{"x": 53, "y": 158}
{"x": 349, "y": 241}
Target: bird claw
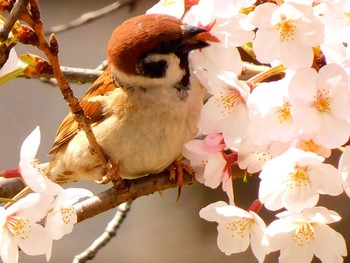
{"x": 176, "y": 171}
{"x": 111, "y": 173}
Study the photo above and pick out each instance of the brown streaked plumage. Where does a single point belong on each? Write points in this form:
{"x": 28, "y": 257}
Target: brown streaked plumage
{"x": 144, "y": 106}
{"x": 92, "y": 109}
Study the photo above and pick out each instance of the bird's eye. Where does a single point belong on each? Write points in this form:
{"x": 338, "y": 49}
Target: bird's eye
{"x": 165, "y": 47}
{"x": 152, "y": 66}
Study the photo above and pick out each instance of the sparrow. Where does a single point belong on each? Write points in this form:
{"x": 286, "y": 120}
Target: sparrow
{"x": 143, "y": 108}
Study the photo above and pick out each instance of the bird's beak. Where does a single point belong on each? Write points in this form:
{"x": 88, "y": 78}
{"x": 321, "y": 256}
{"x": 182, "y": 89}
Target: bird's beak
{"x": 191, "y": 40}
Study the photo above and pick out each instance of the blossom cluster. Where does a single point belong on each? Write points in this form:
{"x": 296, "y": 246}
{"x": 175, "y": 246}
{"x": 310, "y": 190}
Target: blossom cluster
{"x": 282, "y": 129}
{"x": 38, "y": 218}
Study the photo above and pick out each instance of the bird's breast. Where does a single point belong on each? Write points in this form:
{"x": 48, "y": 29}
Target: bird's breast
{"x": 149, "y": 134}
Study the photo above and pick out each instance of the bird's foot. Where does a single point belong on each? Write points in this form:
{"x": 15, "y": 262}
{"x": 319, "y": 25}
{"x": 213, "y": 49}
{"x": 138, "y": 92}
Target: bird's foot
{"x": 176, "y": 171}
{"x": 111, "y": 173}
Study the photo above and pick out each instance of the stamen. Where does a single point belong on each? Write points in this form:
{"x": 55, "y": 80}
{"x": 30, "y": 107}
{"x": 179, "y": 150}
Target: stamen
{"x": 321, "y": 101}
{"x": 240, "y": 227}
{"x": 298, "y": 178}
{"x": 19, "y": 226}
{"x": 286, "y": 29}
{"x": 67, "y": 214}
{"x": 284, "y": 113}
{"x": 304, "y": 234}
{"x": 228, "y": 101}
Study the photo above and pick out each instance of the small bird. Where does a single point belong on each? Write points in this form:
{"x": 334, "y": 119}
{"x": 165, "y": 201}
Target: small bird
{"x": 144, "y": 106}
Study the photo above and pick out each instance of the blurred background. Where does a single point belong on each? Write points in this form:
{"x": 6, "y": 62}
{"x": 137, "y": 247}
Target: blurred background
{"x": 156, "y": 229}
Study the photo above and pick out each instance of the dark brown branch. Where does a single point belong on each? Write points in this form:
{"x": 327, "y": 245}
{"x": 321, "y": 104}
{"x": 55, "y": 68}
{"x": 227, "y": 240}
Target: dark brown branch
{"x": 90, "y": 16}
{"x": 128, "y": 191}
{"x": 10, "y": 187}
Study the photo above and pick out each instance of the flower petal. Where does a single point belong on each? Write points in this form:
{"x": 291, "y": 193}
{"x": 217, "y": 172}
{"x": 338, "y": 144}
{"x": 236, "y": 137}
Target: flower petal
{"x": 232, "y": 241}
{"x": 330, "y": 244}
{"x": 37, "y": 243}
{"x": 209, "y": 212}
{"x": 30, "y": 145}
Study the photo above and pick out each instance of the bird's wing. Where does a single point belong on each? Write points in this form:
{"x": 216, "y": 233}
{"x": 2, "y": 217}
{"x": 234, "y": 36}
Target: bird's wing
{"x": 92, "y": 109}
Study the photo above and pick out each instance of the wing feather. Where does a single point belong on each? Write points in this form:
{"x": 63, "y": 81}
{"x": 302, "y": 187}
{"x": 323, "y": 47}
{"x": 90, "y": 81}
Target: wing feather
{"x": 93, "y": 109}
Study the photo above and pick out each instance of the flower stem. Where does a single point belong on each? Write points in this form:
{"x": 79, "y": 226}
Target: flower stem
{"x": 7, "y": 77}
{"x": 6, "y": 200}
{"x": 266, "y": 74}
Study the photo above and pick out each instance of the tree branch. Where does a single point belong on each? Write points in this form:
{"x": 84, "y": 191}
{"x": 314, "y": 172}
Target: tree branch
{"x": 15, "y": 13}
{"x": 90, "y": 16}
{"x": 10, "y": 187}
{"x": 107, "y": 235}
{"x": 128, "y": 191}
{"x": 51, "y": 51}
{"x": 73, "y": 75}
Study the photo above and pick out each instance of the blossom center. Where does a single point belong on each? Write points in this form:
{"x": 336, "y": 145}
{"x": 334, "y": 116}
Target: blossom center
{"x": 240, "y": 227}
{"x": 309, "y": 146}
{"x": 304, "y": 234}
{"x": 228, "y": 101}
{"x": 67, "y": 214}
{"x": 286, "y": 29}
{"x": 284, "y": 113}
{"x": 298, "y": 178}
{"x": 321, "y": 101}
{"x": 19, "y": 226}
{"x": 346, "y": 15}
{"x": 262, "y": 156}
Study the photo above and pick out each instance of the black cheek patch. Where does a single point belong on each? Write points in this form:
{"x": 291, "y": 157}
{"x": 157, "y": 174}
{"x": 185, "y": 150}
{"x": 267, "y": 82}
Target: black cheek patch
{"x": 153, "y": 69}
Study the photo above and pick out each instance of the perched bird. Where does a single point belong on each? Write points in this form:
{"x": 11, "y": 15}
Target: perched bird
{"x": 144, "y": 106}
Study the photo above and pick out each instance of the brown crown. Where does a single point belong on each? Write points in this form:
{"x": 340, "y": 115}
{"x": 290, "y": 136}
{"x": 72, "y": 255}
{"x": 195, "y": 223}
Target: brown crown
{"x": 138, "y": 35}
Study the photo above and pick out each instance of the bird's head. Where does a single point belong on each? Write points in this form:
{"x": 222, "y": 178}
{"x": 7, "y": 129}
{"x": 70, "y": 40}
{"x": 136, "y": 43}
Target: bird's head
{"x": 151, "y": 51}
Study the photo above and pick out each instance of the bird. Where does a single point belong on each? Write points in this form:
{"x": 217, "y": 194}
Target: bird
{"x": 143, "y": 107}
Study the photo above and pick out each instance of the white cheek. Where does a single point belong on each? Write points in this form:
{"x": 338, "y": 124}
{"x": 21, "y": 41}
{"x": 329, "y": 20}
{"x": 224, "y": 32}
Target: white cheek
{"x": 174, "y": 74}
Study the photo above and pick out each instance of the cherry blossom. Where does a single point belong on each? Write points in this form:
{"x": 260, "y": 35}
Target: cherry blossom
{"x": 344, "y": 168}
{"x": 295, "y": 179}
{"x": 306, "y": 143}
{"x": 237, "y": 228}
{"x": 29, "y": 168}
{"x": 62, "y": 217}
{"x": 300, "y": 236}
{"x": 252, "y": 157}
{"x": 321, "y": 104}
{"x": 226, "y": 107}
{"x": 270, "y": 111}
{"x": 334, "y": 15}
{"x": 207, "y": 158}
{"x": 19, "y": 228}
{"x": 286, "y": 32}
{"x": 231, "y": 30}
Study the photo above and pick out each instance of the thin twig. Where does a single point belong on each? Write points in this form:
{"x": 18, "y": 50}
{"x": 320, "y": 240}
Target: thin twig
{"x": 51, "y": 52}
{"x": 73, "y": 75}
{"x": 128, "y": 191}
{"x": 107, "y": 235}
{"x": 90, "y": 16}
{"x": 16, "y": 12}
